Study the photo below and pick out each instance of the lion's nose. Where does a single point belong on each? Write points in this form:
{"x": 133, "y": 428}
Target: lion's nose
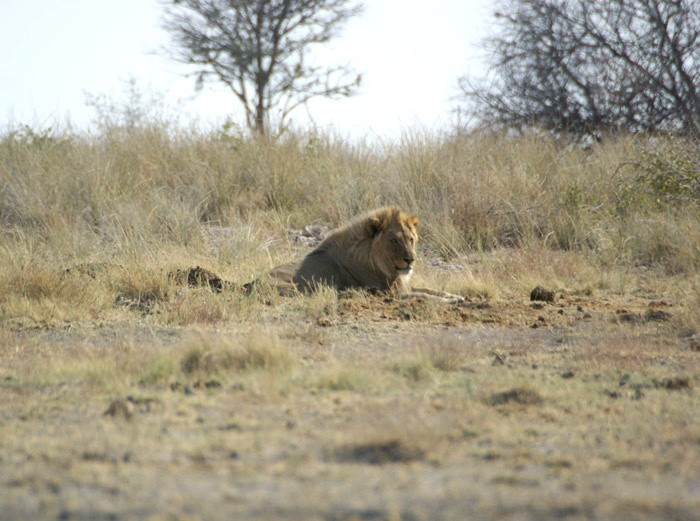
{"x": 409, "y": 261}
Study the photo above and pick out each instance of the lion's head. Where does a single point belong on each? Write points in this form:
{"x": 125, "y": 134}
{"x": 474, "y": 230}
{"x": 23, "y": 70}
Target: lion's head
{"x": 393, "y": 242}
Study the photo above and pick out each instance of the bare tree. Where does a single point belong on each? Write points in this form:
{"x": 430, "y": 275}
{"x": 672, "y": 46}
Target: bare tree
{"x": 587, "y": 66}
{"x": 259, "y": 49}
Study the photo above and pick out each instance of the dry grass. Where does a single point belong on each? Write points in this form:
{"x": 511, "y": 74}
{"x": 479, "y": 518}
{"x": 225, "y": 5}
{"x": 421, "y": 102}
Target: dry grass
{"x": 245, "y": 406}
{"x": 150, "y": 188}
{"x": 256, "y": 352}
{"x": 347, "y": 405}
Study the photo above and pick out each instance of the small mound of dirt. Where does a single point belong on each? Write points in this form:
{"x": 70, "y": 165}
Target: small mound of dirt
{"x": 651, "y": 315}
{"x": 673, "y": 383}
{"x": 629, "y": 318}
{"x": 694, "y": 343}
{"x": 657, "y": 315}
{"x": 123, "y": 409}
{"x": 198, "y": 276}
{"x": 540, "y": 294}
{"x": 519, "y": 395}
{"x": 380, "y": 453}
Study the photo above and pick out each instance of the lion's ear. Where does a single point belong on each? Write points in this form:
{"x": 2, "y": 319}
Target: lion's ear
{"x": 410, "y": 221}
{"x": 374, "y": 226}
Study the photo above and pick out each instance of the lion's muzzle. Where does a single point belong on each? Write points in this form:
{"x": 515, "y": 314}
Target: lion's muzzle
{"x": 404, "y": 266}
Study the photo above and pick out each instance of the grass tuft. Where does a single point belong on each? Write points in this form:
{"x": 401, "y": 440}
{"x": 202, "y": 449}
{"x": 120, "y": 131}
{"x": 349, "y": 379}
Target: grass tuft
{"x": 257, "y": 352}
{"x": 425, "y": 362}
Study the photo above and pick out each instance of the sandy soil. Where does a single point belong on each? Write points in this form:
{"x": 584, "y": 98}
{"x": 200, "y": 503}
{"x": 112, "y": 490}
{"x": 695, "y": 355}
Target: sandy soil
{"x": 581, "y": 408}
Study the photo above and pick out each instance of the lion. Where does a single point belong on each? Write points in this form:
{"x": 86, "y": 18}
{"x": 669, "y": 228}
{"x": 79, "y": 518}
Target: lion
{"x": 375, "y": 251}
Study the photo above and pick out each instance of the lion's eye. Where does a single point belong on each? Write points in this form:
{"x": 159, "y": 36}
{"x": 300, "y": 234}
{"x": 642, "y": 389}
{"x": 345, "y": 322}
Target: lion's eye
{"x": 395, "y": 242}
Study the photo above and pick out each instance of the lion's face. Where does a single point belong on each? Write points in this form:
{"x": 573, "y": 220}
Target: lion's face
{"x": 394, "y": 243}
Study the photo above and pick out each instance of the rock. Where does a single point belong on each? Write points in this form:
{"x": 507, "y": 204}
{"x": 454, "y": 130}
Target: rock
{"x": 310, "y": 236}
{"x": 540, "y": 294}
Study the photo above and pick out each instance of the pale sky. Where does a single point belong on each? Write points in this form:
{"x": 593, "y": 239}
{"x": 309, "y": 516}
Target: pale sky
{"x": 410, "y": 53}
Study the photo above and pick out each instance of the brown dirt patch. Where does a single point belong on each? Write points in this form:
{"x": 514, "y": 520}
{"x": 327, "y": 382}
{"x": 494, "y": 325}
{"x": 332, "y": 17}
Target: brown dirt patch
{"x": 543, "y": 308}
{"x": 568, "y": 310}
{"x": 380, "y": 453}
{"x": 673, "y": 383}
{"x": 519, "y": 395}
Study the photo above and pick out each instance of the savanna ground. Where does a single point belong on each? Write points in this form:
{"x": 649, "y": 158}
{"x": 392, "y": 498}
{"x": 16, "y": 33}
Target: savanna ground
{"x": 126, "y": 395}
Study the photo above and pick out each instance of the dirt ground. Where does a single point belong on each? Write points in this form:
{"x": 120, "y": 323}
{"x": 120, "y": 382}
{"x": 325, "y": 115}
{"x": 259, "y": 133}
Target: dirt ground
{"x": 581, "y": 406}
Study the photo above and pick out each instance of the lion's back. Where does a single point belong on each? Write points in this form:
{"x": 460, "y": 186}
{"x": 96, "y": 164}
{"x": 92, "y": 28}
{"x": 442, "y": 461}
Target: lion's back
{"x": 321, "y": 267}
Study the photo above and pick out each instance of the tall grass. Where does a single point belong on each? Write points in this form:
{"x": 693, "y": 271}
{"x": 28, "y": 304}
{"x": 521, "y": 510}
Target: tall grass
{"x": 66, "y": 197}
